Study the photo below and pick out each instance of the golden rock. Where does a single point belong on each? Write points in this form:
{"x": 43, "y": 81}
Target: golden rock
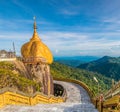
{"x": 36, "y": 48}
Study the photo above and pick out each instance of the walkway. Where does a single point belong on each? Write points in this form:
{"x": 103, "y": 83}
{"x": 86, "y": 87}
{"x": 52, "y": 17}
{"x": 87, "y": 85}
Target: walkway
{"x": 77, "y": 101}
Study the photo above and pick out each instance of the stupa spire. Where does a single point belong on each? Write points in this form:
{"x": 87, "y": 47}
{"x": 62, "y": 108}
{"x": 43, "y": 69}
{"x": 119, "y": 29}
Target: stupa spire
{"x": 35, "y": 34}
{"x": 35, "y": 26}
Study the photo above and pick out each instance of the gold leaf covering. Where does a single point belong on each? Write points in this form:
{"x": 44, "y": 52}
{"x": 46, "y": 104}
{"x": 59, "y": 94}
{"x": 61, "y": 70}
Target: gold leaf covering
{"x": 36, "y": 48}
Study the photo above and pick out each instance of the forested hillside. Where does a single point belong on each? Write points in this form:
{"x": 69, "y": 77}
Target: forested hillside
{"x": 108, "y": 66}
{"x": 63, "y": 71}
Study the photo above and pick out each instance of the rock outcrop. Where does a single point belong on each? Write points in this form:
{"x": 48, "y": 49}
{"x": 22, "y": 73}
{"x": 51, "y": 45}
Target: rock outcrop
{"x": 36, "y": 57}
{"x": 41, "y": 74}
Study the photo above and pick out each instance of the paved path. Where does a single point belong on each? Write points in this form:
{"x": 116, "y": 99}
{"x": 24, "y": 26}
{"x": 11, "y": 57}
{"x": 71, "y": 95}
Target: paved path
{"x": 77, "y": 101}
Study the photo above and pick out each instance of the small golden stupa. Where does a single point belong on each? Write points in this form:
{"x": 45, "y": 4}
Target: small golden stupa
{"x": 35, "y": 48}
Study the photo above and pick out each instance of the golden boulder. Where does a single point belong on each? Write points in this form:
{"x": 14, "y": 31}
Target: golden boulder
{"x": 36, "y": 48}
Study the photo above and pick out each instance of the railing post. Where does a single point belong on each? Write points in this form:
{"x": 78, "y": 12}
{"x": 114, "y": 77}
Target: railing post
{"x": 96, "y": 103}
{"x": 101, "y": 103}
{"x": 3, "y": 98}
{"x": 30, "y": 101}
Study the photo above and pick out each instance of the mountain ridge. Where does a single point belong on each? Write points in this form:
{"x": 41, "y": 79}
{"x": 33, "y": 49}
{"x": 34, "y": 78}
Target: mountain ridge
{"x": 108, "y": 66}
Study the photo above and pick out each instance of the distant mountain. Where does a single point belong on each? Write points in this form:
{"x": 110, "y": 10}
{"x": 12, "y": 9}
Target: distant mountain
{"x": 108, "y": 66}
{"x": 75, "y": 60}
{"x": 72, "y": 63}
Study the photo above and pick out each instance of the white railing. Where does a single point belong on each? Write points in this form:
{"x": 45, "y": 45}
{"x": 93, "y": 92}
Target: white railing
{"x": 7, "y": 59}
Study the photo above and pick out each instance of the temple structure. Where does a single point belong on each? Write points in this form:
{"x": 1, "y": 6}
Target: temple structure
{"x": 37, "y": 57}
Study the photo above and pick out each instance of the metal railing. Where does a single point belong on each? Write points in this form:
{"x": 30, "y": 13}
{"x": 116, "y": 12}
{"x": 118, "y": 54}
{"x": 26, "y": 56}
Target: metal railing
{"x": 115, "y": 90}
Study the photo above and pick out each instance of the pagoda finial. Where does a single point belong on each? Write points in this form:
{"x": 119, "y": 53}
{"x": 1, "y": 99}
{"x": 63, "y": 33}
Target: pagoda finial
{"x": 34, "y": 17}
{"x": 35, "y": 26}
{"x": 35, "y": 34}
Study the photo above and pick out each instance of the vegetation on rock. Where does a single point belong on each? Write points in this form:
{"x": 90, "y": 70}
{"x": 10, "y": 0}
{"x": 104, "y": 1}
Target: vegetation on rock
{"x": 9, "y": 77}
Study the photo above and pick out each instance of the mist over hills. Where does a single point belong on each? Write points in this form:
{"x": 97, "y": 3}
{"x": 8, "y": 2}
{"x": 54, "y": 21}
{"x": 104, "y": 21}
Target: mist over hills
{"x": 75, "y": 61}
{"x": 108, "y": 66}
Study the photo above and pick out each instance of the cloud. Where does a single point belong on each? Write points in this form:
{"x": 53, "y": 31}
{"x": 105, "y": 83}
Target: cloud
{"x": 21, "y": 25}
{"x": 65, "y": 7}
{"x": 113, "y": 20}
{"x": 111, "y": 24}
{"x": 69, "y": 12}
{"x": 82, "y": 44}
{"x": 23, "y": 6}
{"x": 66, "y": 40}
{"x": 68, "y": 43}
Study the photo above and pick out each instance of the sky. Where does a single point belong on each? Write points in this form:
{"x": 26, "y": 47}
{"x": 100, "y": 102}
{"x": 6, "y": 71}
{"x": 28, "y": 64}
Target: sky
{"x": 67, "y": 27}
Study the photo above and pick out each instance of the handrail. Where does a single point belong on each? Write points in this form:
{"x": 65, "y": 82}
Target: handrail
{"x": 113, "y": 91}
{"x": 8, "y": 96}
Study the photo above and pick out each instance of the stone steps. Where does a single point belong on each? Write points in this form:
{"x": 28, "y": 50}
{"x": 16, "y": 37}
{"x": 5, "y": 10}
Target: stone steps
{"x": 63, "y": 107}
{"x": 77, "y": 101}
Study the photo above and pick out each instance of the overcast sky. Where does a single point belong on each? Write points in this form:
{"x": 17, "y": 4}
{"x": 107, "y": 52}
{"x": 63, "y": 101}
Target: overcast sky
{"x": 67, "y": 27}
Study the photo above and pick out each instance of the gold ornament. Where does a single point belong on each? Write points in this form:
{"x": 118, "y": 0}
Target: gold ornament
{"x": 36, "y": 48}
